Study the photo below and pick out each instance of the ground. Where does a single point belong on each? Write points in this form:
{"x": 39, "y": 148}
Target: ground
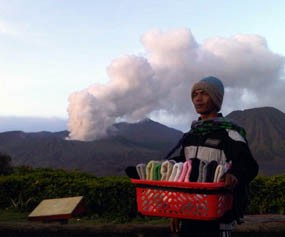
{"x": 253, "y": 224}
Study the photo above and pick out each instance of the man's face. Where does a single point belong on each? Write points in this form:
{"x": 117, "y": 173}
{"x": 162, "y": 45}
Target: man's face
{"x": 203, "y": 103}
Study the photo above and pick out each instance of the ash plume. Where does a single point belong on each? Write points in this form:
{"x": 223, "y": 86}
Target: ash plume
{"x": 158, "y": 84}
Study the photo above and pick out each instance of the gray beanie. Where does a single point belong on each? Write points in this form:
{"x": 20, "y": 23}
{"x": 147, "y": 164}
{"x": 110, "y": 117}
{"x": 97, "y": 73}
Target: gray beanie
{"x": 214, "y": 87}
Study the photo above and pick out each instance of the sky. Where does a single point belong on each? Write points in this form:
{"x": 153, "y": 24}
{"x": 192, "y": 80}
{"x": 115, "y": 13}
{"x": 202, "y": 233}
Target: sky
{"x": 92, "y": 63}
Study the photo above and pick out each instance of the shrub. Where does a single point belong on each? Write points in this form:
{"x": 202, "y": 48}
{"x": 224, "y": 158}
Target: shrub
{"x": 107, "y": 197}
{"x": 111, "y": 198}
{"x": 267, "y": 195}
{"x": 5, "y": 164}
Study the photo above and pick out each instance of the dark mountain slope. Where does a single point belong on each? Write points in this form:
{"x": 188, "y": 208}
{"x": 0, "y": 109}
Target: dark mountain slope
{"x": 129, "y": 144}
{"x": 266, "y": 135}
{"x": 147, "y": 133}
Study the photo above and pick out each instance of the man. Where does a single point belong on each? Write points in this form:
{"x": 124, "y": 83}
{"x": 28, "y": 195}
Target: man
{"x": 214, "y": 138}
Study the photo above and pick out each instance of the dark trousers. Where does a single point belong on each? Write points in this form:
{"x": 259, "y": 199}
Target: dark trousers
{"x": 193, "y": 228}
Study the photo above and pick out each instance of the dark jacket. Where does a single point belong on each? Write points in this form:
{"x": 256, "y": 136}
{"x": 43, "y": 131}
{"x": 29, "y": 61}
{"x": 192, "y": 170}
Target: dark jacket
{"x": 223, "y": 145}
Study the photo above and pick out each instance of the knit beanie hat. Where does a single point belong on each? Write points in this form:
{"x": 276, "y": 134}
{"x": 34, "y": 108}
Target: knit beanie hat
{"x": 214, "y": 87}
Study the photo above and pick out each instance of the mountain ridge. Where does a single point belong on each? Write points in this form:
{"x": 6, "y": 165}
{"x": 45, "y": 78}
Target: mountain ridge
{"x": 130, "y": 144}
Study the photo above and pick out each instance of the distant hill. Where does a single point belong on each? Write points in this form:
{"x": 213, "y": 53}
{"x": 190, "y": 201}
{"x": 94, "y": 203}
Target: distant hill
{"x": 146, "y": 133}
{"x": 129, "y": 144}
{"x": 266, "y": 135}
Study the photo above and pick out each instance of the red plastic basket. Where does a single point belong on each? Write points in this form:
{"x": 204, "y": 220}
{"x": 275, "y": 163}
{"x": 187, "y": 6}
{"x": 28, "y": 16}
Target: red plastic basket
{"x": 188, "y": 200}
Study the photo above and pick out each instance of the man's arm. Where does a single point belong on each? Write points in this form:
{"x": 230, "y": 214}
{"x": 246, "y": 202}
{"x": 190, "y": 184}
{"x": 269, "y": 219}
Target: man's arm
{"x": 244, "y": 166}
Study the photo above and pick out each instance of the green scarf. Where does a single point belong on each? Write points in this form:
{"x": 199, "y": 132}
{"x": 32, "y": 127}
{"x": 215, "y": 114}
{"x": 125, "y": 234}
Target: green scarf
{"x": 204, "y": 127}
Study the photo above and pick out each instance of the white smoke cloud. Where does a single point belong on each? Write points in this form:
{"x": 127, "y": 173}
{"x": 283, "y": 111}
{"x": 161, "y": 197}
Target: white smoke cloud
{"x": 130, "y": 94}
{"x": 158, "y": 84}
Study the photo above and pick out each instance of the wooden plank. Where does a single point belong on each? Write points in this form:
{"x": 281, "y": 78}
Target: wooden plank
{"x": 59, "y": 208}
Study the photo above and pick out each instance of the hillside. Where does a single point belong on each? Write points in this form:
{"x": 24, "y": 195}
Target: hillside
{"x": 129, "y": 144}
{"x": 266, "y": 135}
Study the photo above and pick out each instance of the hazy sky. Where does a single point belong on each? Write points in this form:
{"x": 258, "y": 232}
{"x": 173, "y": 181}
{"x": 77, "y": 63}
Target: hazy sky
{"x": 94, "y": 62}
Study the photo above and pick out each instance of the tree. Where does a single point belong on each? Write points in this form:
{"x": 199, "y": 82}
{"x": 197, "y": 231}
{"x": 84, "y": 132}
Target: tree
{"x": 5, "y": 164}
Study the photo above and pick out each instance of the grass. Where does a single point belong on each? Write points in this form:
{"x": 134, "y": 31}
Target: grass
{"x": 12, "y": 215}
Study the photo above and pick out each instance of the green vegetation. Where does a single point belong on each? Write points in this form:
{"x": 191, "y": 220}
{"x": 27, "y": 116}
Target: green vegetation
{"x": 110, "y": 199}
{"x": 12, "y": 215}
{"x": 5, "y": 164}
{"x": 106, "y": 197}
{"x": 267, "y": 195}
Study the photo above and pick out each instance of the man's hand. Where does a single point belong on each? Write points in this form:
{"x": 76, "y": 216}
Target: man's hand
{"x": 175, "y": 225}
{"x": 230, "y": 180}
